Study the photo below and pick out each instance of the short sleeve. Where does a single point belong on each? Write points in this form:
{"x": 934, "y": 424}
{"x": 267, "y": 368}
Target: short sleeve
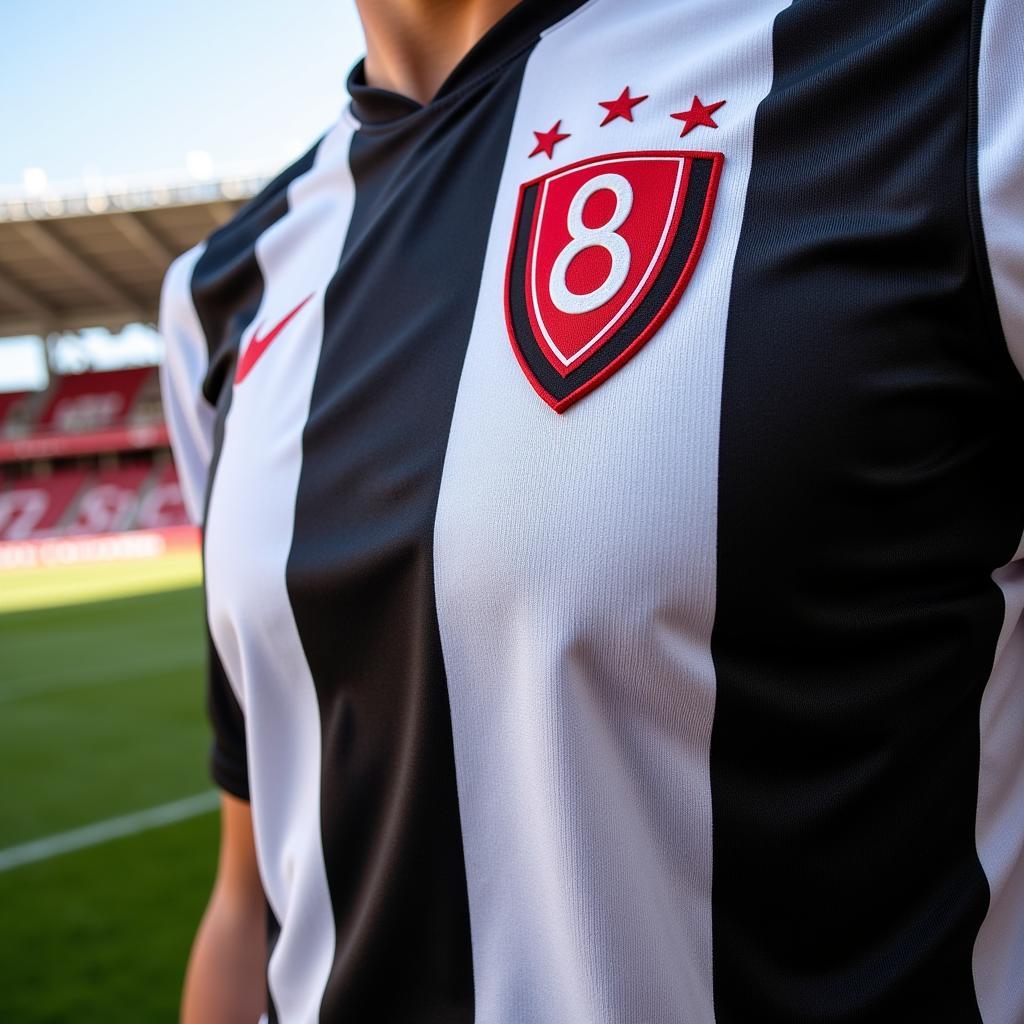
{"x": 1001, "y": 161}
{"x": 190, "y": 422}
{"x": 228, "y": 758}
{"x": 189, "y": 415}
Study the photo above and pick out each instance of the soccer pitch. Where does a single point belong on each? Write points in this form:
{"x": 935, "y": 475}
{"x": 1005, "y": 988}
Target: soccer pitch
{"x": 101, "y": 716}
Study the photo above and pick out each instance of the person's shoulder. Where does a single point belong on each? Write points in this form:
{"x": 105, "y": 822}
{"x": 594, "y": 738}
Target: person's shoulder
{"x": 228, "y": 244}
{"x": 252, "y": 218}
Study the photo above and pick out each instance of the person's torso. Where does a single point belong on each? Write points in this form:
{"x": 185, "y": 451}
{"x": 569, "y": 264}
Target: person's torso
{"x": 603, "y": 552}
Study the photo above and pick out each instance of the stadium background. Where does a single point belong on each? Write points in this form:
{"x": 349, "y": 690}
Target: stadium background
{"x": 107, "y": 827}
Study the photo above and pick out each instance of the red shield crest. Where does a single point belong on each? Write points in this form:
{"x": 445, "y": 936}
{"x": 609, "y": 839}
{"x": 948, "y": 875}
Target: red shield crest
{"x": 601, "y": 252}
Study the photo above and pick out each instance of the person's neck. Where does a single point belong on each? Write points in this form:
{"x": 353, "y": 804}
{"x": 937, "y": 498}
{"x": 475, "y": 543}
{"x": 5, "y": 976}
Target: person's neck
{"x": 413, "y": 45}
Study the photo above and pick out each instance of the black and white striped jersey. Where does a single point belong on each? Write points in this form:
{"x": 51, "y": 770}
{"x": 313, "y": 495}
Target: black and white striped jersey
{"x": 612, "y": 523}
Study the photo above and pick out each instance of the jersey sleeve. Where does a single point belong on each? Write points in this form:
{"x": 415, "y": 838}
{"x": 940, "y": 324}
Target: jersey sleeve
{"x": 1001, "y": 161}
{"x": 188, "y": 414}
{"x": 190, "y": 422}
{"x": 228, "y": 756}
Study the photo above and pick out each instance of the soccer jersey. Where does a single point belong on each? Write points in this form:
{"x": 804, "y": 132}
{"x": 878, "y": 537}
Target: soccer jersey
{"x": 612, "y": 516}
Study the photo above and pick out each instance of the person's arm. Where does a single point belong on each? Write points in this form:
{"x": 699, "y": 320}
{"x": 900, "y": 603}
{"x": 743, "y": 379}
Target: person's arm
{"x": 226, "y": 976}
{"x": 225, "y": 979}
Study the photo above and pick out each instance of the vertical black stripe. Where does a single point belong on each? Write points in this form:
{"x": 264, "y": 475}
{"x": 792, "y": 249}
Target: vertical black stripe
{"x": 398, "y": 316}
{"x": 869, "y": 435}
{"x": 227, "y": 284}
{"x": 227, "y": 287}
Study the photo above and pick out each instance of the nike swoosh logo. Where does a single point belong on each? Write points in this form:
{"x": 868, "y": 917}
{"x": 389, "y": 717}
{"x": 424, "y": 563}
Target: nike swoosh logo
{"x": 257, "y": 346}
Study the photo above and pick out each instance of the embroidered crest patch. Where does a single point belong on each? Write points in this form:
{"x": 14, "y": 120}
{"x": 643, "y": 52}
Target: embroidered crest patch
{"x": 601, "y": 252}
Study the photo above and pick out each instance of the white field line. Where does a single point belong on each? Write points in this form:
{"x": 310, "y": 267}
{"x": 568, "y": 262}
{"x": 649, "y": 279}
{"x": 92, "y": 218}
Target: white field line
{"x": 104, "y": 831}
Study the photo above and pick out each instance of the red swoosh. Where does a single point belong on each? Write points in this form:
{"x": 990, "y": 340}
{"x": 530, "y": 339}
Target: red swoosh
{"x": 257, "y": 346}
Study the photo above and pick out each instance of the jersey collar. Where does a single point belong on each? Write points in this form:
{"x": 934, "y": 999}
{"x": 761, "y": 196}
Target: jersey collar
{"x": 519, "y": 29}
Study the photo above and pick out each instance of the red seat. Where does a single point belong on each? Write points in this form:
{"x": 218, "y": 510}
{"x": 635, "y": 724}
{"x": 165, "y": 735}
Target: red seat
{"x": 162, "y": 505}
{"x": 110, "y": 501}
{"x": 35, "y": 507}
{"x": 92, "y": 401}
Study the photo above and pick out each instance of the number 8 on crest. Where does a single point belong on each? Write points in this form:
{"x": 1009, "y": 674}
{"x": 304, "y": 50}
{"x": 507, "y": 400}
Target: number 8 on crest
{"x": 601, "y": 252}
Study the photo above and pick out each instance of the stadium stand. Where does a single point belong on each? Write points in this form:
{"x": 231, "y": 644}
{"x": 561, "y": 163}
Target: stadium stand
{"x": 38, "y": 506}
{"x": 110, "y": 501}
{"x": 92, "y": 401}
{"x": 76, "y": 501}
{"x": 72, "y": 258}
{"x": 87, "y": 413}
{"x": 88, "y": 456}
{"x": 162, "y": 504}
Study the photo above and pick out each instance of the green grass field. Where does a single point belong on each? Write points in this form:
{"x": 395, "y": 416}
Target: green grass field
{"x": 101, "y": 715}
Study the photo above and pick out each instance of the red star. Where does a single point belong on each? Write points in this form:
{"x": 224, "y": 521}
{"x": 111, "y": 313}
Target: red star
{"x": 698, "y": 115}
{"x": 622, "y": 107}
{"x": 546, "y": 141}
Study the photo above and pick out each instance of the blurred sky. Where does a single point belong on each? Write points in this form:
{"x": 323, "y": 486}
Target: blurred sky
{"x": 113, "y": 87}
{"x": 107, "y": 88}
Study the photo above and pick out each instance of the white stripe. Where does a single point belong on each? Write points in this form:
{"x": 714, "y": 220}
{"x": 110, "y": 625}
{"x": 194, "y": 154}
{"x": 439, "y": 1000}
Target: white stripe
{"x": 104, "y": 831}
{"x": 1001, "y": 161}
{"x": 575, "y": 567}
{"x": 189, "y": 416}
{"x": 999, "y": 948}
{"x": 249, "y": 610}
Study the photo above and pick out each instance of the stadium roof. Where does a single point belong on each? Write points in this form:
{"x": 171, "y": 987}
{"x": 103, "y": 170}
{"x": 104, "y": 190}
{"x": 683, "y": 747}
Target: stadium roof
{"x": 97, "y": 260}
